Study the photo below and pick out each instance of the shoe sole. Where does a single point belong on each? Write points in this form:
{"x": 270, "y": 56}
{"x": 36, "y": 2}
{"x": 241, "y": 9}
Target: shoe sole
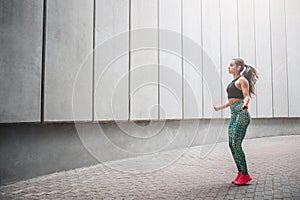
{"x": 243, "y": 183}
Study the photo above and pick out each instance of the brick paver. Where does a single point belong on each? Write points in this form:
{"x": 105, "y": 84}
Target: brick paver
{"x": 194, "y": 173}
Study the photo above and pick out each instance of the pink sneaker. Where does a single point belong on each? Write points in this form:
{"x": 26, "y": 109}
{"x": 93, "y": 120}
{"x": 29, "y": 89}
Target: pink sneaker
{"x": 243, "y": 179}
{"x": 239, "y": 174}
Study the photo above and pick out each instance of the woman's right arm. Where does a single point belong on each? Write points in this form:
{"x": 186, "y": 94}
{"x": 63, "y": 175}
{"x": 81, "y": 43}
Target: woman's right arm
{"x": 217, "y": 108}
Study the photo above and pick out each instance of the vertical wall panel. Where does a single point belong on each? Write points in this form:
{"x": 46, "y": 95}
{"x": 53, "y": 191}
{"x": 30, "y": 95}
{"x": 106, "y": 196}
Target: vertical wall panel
{"x": 144, "y": 60}
{"x": 21, "y": 24}
{"x": 170, "y": 70}
{"x": 278, "y": 35}
{"x": 264, "y": 33}
{"x": 68, "y": 69}
{"x": 112, "y": 60}
{"x": 229, "y": 43}
{"x": 211, "y": 57}
{"x": 247, "y": 40}
{"x": 263, "y": 58}
{"x": 293, "y": 49}
{"x": 192, "y": 55}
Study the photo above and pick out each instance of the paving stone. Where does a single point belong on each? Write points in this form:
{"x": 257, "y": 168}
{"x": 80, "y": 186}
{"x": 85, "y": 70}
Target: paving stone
{"x": 258, "y": 198}
{"x": 266, "y": 197}
{"x": 268, "y": 192}
{"x": 250, "y": 195}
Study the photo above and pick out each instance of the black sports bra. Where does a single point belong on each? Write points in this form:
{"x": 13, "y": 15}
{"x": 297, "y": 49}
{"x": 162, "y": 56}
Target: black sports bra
{"x": 233, "y": 91}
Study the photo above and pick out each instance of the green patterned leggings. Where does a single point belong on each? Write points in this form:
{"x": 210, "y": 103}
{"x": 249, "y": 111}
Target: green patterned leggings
{"x": 236, "y": 131}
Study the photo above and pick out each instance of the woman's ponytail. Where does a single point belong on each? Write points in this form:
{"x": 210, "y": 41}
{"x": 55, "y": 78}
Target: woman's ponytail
{"x": 251, "y": 75}
{"x": 249, "y": 72}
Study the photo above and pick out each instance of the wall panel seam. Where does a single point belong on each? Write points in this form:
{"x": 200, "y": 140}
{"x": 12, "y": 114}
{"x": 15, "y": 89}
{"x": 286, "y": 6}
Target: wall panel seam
{"x": 182, "y": 63}
{"x": 158, "y": 61}
{"x": 44, "y": 34}
{"x": 93, "y": 62}
{"x": 129, "y": 62}
{"x": 202, "y": 53}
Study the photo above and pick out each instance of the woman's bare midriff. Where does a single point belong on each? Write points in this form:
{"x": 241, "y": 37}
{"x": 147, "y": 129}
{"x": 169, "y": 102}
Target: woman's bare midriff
{"x": 233, "y": 100}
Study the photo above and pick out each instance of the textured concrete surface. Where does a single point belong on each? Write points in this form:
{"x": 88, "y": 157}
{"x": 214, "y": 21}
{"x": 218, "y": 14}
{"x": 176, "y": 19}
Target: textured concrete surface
{"x": 192, "y": 54}
{"x": 170, "y": 59}
{"x": 69, "y": 56}
{"x": 262, "y": 31}
{"x": 293, "y": 47}
{"x": 112, "y": 60}
{"x": 230, "y": 46}
{"x": 21, "y": 27}
{"x": 247, "y": 39}
{"x": 212, "y": 90}
{"x": 265, "y": 33}
{"x": 273, "y": 163}
{"x": 279, "y": 58}
{"x": 144, "y": 60}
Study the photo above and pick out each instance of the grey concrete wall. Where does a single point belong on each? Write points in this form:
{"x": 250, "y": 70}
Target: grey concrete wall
{"x": 211, "y": 57}
{"x": 29, "y": 150}
{"x": 263, "y": 58}
{"x": 293, "y": 48}
{"x": 144, "y": 60}
{"x": 230, "y": 46}
{"x": 111, "y": 60}
{"x": 170, "y": 60}
{"x": 279, "y": 59}
{"x": 246, "y": 30}
{"x": 69, "y": 60}
{"x": 192, "y": 51}
{"x": 21, "y": 27}
{"x": 142, "y": 82}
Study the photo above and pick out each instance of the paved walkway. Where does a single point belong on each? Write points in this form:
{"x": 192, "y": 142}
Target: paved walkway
{"x": 194, "y": 173}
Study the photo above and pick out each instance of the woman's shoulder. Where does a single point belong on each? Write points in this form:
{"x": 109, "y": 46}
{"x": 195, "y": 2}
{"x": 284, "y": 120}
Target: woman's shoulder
{"x": 242, "y": 79}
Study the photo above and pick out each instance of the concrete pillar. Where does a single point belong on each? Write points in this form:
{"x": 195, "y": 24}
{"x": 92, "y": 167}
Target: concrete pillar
{"x": 21, "y": 28}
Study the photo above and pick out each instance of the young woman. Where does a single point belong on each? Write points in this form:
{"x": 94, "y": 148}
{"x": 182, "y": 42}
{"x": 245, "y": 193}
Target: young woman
{"x": 239, "y": 93}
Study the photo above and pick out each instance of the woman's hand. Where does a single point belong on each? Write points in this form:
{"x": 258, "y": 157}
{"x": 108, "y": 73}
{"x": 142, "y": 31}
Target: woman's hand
{"x": 216, "y": 108}
{"x": 245, "y": 108}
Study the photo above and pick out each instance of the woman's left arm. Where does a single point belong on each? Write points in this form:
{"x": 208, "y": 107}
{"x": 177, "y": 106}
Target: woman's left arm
{"x": 245, "y": 89}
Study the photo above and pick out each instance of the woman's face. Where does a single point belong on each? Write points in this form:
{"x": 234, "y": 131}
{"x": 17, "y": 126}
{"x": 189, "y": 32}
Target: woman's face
{"x": 232, "y": 68}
